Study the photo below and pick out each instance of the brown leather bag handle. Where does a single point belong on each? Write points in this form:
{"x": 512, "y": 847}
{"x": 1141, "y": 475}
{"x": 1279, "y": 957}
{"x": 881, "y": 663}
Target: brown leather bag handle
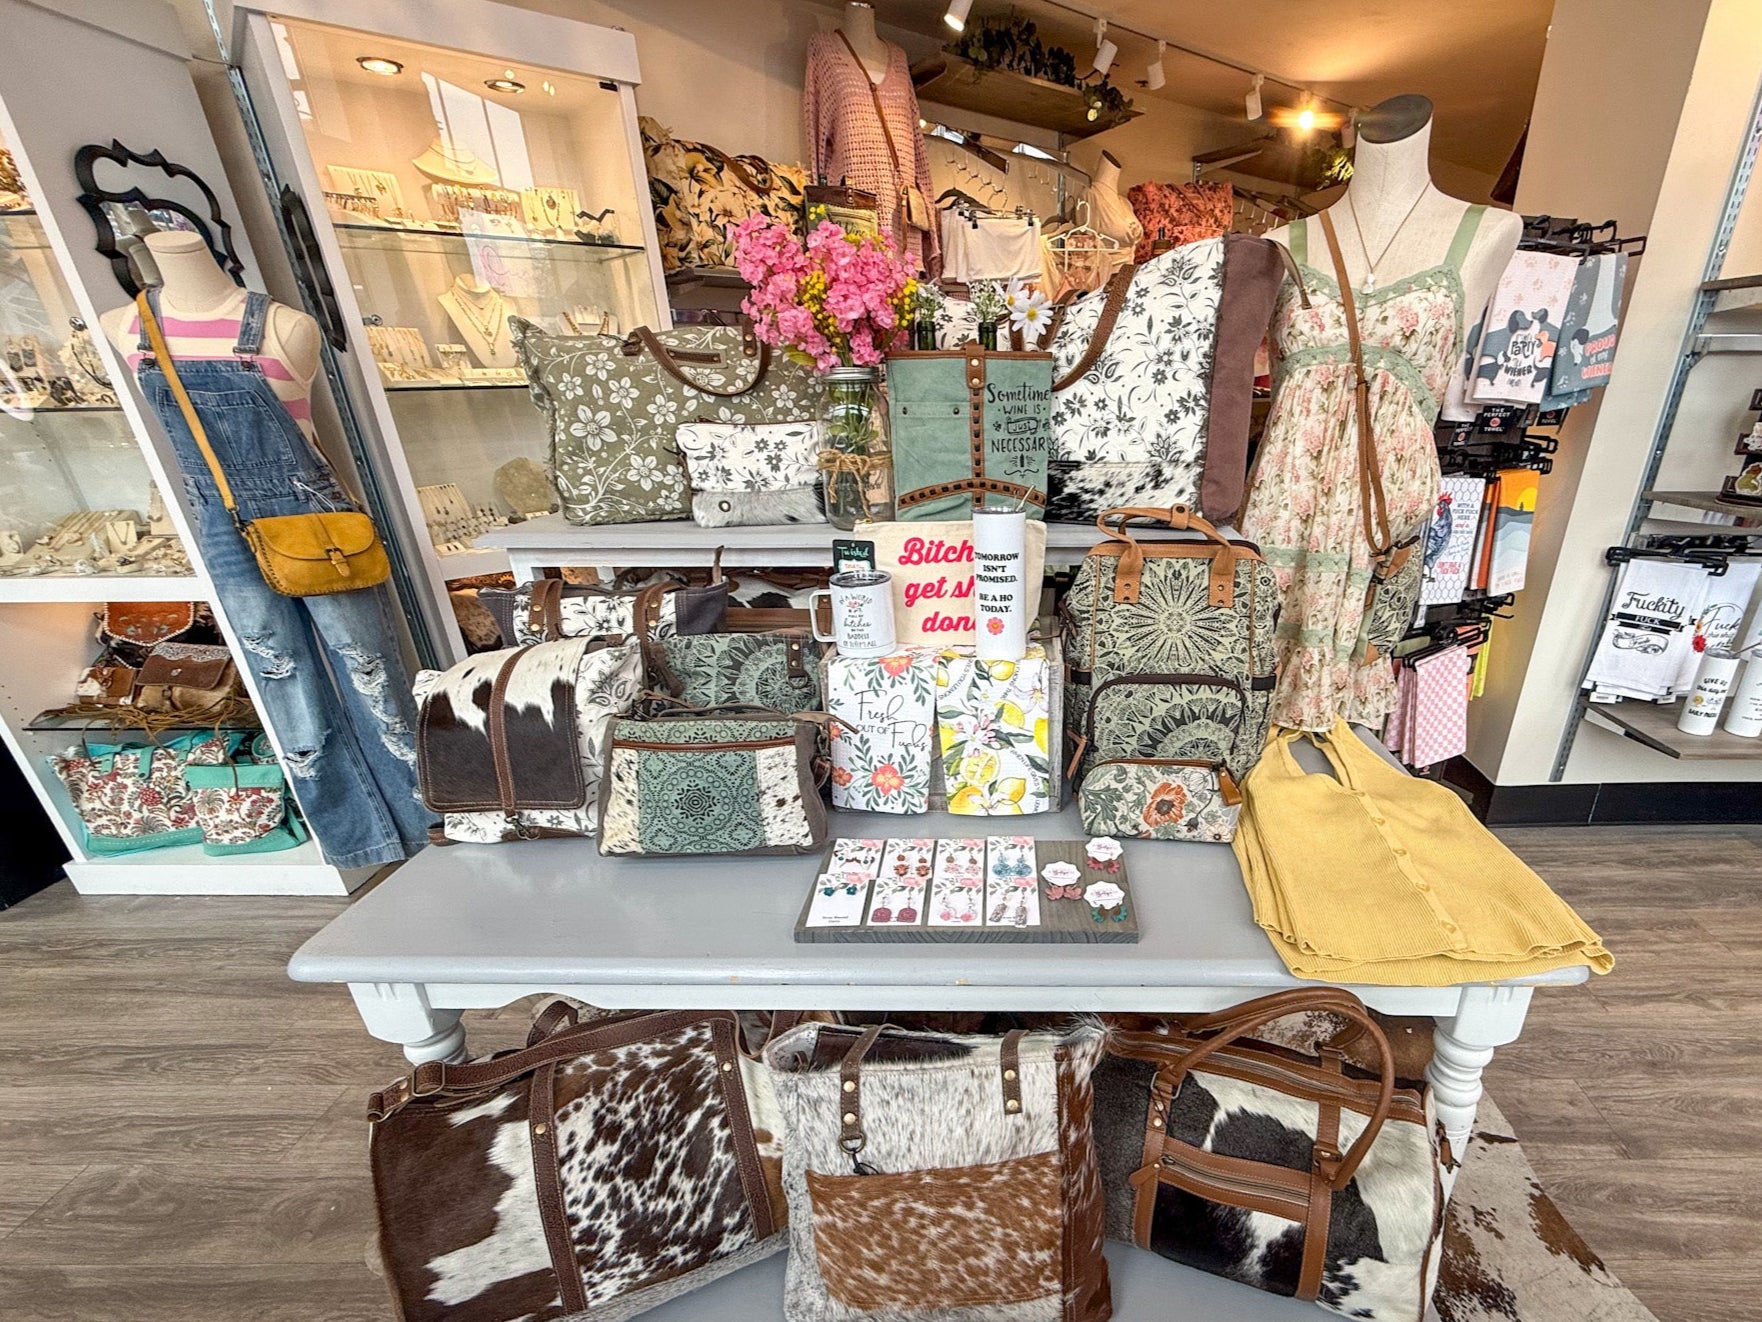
{"x": 647, "y": 339}
{"x": 1374, "y": 505}
{"x": 1244, "y": 1020}
{"x": 1117, "y": 289}
{"x": 1129, "y": 574}
{"x": 544, "y": 610}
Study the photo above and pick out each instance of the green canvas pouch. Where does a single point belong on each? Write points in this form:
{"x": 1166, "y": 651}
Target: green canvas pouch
{"x": 970, "y": 427}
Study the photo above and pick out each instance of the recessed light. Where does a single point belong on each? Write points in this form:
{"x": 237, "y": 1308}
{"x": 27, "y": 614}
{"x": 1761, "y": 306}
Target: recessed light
{"x": 506, "y": 83}
{"x": 548, "y": 87}
{"x": 380, "y": 65}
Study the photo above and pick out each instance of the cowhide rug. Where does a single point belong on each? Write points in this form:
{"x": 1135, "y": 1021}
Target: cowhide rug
{"x": 1509, "y": 1255}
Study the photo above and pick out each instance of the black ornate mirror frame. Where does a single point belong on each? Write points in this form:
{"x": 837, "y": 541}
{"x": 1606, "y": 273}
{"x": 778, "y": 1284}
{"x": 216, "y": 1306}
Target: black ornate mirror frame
{"x": 213, "y": 227}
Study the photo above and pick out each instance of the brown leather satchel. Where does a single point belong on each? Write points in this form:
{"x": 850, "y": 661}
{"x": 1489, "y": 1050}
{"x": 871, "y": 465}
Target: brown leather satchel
{"x": 607, "y": 1167}
{"x": 190, "y": 679}
{"x": 1204, "y": 1134}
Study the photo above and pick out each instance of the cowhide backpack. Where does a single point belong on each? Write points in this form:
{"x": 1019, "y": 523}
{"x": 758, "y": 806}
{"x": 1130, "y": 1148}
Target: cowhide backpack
{"x": 1300, "y": 1175}
{"x": 606, "y": 1167}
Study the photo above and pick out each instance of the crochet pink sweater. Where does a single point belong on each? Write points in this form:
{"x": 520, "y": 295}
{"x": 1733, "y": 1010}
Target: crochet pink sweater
{"x": 845, "y": 141}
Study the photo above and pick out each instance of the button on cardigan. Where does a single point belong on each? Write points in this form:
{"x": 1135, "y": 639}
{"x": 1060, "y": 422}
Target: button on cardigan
{"x": 1372, "y": 876}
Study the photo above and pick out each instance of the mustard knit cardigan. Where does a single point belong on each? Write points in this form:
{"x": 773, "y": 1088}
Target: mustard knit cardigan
{"x": 1379, "y": 877}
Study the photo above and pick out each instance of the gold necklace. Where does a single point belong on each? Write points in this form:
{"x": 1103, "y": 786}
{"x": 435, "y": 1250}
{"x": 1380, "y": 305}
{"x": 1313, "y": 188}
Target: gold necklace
{"x": 489, "y": 328}
{"x": 1370, "y": 279}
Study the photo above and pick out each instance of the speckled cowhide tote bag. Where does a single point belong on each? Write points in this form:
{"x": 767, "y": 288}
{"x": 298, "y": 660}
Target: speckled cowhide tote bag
{"x": 1300, "y": 1175}
{"x": 602, "y": 1170}
{"x": 940, "y": 1178}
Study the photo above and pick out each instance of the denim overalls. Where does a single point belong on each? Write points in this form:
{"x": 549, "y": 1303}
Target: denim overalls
{"x": 332, "y": 681}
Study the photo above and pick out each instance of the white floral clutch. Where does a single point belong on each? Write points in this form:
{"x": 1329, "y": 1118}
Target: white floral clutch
{"x": 764, "y": 473}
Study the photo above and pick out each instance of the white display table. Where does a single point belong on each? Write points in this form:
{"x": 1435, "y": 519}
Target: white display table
{"x": 467, "y": 927}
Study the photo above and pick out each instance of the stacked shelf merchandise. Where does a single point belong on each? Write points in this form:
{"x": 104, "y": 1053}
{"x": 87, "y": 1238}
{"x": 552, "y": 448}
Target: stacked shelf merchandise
{"x": 1725, "y": 318}
{"x": 530, "y": 202}
{"x": 88, "y": 480}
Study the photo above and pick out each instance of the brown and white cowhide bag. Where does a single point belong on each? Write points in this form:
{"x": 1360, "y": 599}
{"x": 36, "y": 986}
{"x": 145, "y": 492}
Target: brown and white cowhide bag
{"x": 556, "y": 706}
{"x": 600, "y": 1171}
{"x": 956, "y": 1181}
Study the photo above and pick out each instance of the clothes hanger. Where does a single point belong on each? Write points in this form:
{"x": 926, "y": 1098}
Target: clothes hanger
{"x": 1080, "y": 210}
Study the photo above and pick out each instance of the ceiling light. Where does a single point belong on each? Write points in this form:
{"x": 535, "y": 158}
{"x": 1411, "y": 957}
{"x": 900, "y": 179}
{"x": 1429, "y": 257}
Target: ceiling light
{"x": 1255, "y": 110}
{"x": 1105, "y": 50}
{"x": 956, "y": 17}
{"x": 1306, "y": 118}
{"x": 380, "y": 65}
{"x": 506, "y": 83}
{"x": 1155, "y": 76}
{"x": 548, "y": 87}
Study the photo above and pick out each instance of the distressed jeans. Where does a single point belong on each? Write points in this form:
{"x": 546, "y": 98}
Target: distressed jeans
{"x": 332, "y": 682}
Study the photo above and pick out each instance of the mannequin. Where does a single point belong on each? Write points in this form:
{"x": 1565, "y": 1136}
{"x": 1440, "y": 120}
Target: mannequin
{"x": 196, "y": 289}
{"x": 1391, "y": 177}
{"x": 1109, "y": 211}
{"x": 480, "y": 315}
{"x": 858, "y": 24}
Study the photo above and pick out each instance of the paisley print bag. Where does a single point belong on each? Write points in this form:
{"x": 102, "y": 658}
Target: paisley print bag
{"x": 934, "y": 1177}
{"x": 1170, "y": 663}
{"x": 615, "y": 406}
{"x": 538, "y": 714}
{"x": 132, "y": 796}
{"x": 711, "y": 783}
{"x": 601, "y": 1170}
{"x": 699, "y": 192}
{"x": 1299, "y": 1175}
{"x": 778, "y": 670}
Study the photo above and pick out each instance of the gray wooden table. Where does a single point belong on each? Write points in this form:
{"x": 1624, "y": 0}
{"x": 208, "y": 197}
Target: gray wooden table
{"x": 467, "y": 927}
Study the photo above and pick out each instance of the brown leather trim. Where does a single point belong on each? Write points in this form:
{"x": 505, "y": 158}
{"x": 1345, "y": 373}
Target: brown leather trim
{"x": 968, "y": 349}
{"x": 542, "y": 610}
{"x": 1088, "y": 1293}
{"x": 1117, "y": 289}
{"x": 976, "y": 485}
{"x": 1278, "y": 1190}
{"x": 645, "y": 337}
{"x": 555, "y": 1016}
{"x": 541, "y": 1125}
{"x": 1009, "y": 1064}
{"x": 1221, "y": 589}
{"x": 1162, "y": 1090}
{"x": 850, "y": 1092}
{"x": 725, "y": 1035}
{"x": 498, "y": 733}
{"x": 1321, "y": 1201}
{"x": 766, "y": 619}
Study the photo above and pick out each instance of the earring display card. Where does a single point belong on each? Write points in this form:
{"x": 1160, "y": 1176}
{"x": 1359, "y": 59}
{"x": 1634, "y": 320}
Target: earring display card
{"x": 1012, "y": 892}
{"x": 902, "y": 883}
{"x": 841, "y": 892}
{"x": 957, "y": 894}
{"x": 921, "y": 879}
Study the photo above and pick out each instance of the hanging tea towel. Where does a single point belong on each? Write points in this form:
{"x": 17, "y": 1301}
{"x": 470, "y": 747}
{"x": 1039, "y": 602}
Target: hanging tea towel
{"x": 1522, "y": 329}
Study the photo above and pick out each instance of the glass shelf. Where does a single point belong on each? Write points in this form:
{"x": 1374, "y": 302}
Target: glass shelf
{"x": 397, "y": 238}
{"x": 400, "y": 386}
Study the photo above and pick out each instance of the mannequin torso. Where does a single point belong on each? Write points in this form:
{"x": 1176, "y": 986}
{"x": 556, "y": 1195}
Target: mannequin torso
{"x": 858, "y": 26}
{"x": 1398, "y": 208}
{"x": 199, "y": 297}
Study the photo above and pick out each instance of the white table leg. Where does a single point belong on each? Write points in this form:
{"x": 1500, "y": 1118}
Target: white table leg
{"x": 1487, "y": 1017}
{"x": 399, "y": 1012}
{"x": 526, "y": 565}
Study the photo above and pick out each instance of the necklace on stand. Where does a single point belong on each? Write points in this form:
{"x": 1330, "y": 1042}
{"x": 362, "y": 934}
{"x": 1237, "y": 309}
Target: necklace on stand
{"x": 1370, "y": 279}
{"x": 488, "y": 324}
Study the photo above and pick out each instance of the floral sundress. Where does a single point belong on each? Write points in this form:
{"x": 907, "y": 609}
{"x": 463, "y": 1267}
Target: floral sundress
{"x": 1305, "y": 508}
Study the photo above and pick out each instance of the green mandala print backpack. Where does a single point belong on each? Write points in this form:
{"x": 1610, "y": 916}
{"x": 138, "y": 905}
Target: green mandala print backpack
{"x": 1170, "y": 665}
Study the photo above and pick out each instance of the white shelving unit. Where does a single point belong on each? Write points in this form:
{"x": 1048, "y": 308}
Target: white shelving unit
{"x": 542, "y": 103}
{"x": 135, "y": 87}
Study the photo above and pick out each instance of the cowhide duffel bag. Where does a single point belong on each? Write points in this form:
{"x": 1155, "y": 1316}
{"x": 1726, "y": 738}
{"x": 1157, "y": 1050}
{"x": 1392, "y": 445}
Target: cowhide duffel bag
{"x": 603, "y": 1169}
{"x": 1301, "y": 1175}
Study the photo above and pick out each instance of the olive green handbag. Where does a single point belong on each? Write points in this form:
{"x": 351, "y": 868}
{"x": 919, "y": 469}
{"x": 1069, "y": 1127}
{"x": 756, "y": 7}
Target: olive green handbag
{"x": 737, "y": 780}
{"x": 971, "y": 427}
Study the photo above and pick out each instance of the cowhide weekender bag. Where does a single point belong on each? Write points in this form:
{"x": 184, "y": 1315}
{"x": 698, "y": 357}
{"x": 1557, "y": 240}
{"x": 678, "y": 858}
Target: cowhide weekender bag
{"x": 1299, "y": 1175}
{"x": 603, "y": 1169}
{"x": 938, "y": 1177}
{"x": 510, "y": 744}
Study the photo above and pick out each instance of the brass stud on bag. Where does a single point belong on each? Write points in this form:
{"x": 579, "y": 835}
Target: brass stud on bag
{"x": 850, "y": 1117}
{"x": 1010, "y": 1075}
{"x": 727, "y": 1065}
{"x": 538, "y": 1129}
{"x": 1157, "y": 1123}
{"x": 850, "y": 1085}
{"x": 1012, "y": 1106}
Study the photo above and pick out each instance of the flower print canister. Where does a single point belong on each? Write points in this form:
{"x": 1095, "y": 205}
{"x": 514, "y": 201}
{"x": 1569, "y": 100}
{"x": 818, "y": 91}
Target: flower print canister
{"x": 1700, "y": 710}
{"x": 1000, "y": 588}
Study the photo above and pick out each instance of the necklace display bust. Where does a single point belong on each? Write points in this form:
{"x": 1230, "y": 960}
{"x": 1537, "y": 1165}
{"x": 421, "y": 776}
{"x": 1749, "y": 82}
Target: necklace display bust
{"x": 480, "y": 314}
{"x": 1406, "y": 222}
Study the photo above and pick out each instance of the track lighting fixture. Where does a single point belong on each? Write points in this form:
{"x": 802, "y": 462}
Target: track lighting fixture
{"x": 1105, "y": 50}
{"x": 1155, "y": 76}
{"x": 956, "y": 17}
{"x": 1255, "y": 109}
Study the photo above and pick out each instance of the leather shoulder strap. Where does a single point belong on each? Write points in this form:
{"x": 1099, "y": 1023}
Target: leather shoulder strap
{"x": 162, "y": 356}
{"x": 1117, "y": 289}
{"x": 1372, "y": 505}
{"x": 647, "y": 339}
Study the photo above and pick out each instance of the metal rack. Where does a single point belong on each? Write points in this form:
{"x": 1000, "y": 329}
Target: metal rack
{"x": 1711, "y": 330}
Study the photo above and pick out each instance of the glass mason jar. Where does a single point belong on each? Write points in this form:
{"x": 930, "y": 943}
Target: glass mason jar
{"x": 857, "y": 477}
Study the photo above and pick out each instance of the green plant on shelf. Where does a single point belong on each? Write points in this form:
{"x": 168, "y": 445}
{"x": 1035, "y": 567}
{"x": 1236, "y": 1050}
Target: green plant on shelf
{"x": 1013, "y": 45}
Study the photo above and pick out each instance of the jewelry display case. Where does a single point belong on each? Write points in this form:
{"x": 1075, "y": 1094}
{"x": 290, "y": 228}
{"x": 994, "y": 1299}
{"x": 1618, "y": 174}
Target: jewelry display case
{"x": 453, "y": 172}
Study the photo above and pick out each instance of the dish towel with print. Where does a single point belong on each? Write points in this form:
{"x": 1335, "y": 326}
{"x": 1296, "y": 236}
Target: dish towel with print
{"x": 1369, "y": 875}
{"x": 1587, "y": 349}
{"x": 1438, "y": 717}
{"x": 1522, "y": 329}
{"x": 1650, "y": 630}
{"x": 1573, "y": 335}
{"x": 1720, "y": 618}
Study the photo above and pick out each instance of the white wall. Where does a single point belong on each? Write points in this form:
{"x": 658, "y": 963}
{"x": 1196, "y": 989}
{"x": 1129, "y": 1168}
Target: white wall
{"x": 1641, "y": 116}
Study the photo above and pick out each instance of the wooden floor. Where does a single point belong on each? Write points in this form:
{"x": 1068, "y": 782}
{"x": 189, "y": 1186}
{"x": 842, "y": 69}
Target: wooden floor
{"x": 181, "y": 1133}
